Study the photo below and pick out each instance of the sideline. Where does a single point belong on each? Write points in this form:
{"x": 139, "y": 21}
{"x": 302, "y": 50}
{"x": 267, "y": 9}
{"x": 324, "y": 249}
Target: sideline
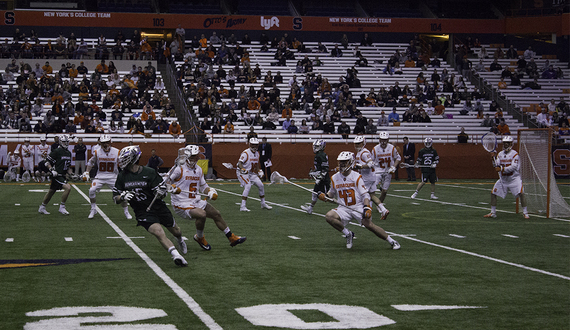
{"x": 190, "y": 302}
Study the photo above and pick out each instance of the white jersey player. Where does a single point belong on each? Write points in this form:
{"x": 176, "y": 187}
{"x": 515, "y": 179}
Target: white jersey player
{"x": 42, "y": 151}
{"x": 507, "y": 164}
{"x": 364, "y": 164}
{"x": 106, "y": 160}
{"x": 186, "y": 181}
{"x": 347, "y": 186}
{"x": 14, "y": 164}
{"x": 28, "y": 151}
{"x": 386, "y": 159}
{"x": 249, "y": 174}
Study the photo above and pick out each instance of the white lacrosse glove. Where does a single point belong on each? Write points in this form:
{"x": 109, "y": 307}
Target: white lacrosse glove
{"x": 85, "y": 176}
{"x": 243, "y": 171}
{"x": 212, "y": 194}
{"x": 173, "y": 189}
{"x": 260, "y": 174}
{"x": 54, "y": 173}
{"x": 433, "y": 165}
{"x": 392, "y": 169}
{"x": 126, "y": 196}
{"x": 162, "y": 191}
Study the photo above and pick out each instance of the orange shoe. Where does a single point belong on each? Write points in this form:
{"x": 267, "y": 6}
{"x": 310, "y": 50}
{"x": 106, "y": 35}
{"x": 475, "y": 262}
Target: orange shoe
{"x": 526, "y": 216}
{"x": 235, "y": 240}
{"x": 203, "y": 243}
{"x": 490, "y": 215}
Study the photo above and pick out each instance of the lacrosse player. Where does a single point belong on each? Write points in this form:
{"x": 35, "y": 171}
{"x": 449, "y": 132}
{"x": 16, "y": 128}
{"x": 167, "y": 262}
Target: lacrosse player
{"x": 42, "y": 151}
{"x": 320, "y": 173}
{"x": 249, "y": 174}
{"x": 28, "y": 157}
{"x": 105, "y": 159}
{"x": 186, "y": 180}
{"x": 348, "y": 187}
{"x": 507, "y": 163}
{"x": 386, "y": 159}
{"x": 364, "y": 164}
{"x": 428, "y": 159}
{"x": 59, "y": 164}
{"x": 143, "y": 188}
{"x": 14, "y": 164}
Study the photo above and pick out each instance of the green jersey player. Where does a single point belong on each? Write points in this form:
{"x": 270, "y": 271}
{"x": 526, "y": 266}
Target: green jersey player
{"x": 58, "y": 162}
{"x": 427, "y": 160}
{"x": 320, "y": 174}
{"x": 144, "y": 189}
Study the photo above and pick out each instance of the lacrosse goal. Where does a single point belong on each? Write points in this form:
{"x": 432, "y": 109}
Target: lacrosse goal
{"x": 536, "y": 168}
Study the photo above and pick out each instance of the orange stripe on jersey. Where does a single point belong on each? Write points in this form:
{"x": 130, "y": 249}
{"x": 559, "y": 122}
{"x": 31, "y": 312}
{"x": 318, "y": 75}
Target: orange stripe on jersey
{"x": 184, "y": 208}
{"x": 244, "y": 179}
{"x": 181, "y": 172}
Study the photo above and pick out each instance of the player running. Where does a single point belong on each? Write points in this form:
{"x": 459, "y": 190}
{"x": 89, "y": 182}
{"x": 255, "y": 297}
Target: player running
{"x": 28, "y": 158}
{"x": 249, "y": 174}
{"x": 428, "y": 161}
{"x": 386, "y": 159}
{"x": 507, "y": 164}
{"x": 59, "y": 164}
{"x": 320, "y": 173}
{"x": 364, "y": 164}
{"x": 186, "y": 180}
{"x": 105, "y": 159}
{"x": 144, "y": 189}
{"x": 348, "y": 187}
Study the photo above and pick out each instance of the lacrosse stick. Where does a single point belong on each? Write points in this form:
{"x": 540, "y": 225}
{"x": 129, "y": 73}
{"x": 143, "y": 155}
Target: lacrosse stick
{"x": 406, "y": 165}
{"x": 26, "y": 177}
{"x": 8, "y": 176}
{"x": 229, "y": 166}
{"x": 490, "y": 142}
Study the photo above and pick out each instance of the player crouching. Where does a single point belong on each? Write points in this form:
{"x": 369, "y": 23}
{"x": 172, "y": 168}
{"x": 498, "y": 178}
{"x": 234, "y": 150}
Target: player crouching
{"x": 186, "y": 180}
{"x": 353, "y": 202}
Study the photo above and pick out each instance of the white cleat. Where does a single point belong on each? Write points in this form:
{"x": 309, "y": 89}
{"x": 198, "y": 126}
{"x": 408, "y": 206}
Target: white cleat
{"x": 308, "y": 209}
{"x": 395, "y": 246}
{"x": 434, "y": 197}
{"x": 92, "y": 213}
{"x": 243, "y": 209}
{"x": 128, "y": 215}
{"x": 349, "y": 239}
{"x": 180, "y": 261}
{"x": 182, "y": 246}
{"x": 385, "y": 214}
{"x": 63, "y": 211}
{"x": 43, "y": 210}
{"x": 265, "y": 206}
{"x": 414, "y": 195}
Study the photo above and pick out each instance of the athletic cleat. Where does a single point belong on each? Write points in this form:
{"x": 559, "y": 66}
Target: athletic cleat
{"x": 92, "y": 213}
{"x": 490, "y": 215}
{"x": 180, "y": 261}
{"x": 395, "y": 245}
{"x": 349, "y": 239}
{"x": 379, "y": 209}
{"x": 265, "y": 206}
{"x": 63, "y": 211}
{"x": 434, "y": 197}
{"x": 235, "y": 240}
{"x": 243, "y": 209}
{"x": 182, "y": 246}
{"x": 43, "y": 210}
{"x": 308, "y": 209}
{"x": 128, "y": 215}
{"x": 414, "y": 195}
{"x": 203, "y": 243}
{"x": 385, "y": 214}
{"x": 526, "y": 216}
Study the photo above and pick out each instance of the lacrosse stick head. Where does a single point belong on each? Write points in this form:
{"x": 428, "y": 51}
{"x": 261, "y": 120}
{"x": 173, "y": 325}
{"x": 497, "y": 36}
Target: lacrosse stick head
{"x": 277, "y": 178}
{"x": 489, "y": 141}
{"x": 26, "y": 177}
{"x": 229, "y": 166}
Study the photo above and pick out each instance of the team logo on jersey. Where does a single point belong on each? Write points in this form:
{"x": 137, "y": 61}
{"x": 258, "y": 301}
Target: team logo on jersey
{"x": 5, "y": 264}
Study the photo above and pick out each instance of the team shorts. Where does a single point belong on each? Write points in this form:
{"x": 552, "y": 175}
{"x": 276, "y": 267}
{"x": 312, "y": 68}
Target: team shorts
{"x": 28, "y": 164}
{"x": 97, "y": 184}
{"x": 502, "y": 187}
{"x": 184, "y": 211}
{"x": 347, "y": 214}
{"x": 384, "y": 180}
{"x": 370, "y": 185}
{"x": 57, "y": 183}
{"x": 322, "y": 187}
{"x": 429, "y": 176}
{"x": 161, "y": 215}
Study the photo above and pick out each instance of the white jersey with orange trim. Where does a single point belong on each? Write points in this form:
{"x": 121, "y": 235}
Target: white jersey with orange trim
{"x": 106, "y": 163}
{"x": 14, "y": 162}
{"x": 350, "y": 190}
{"x": 190, "y": 180}
{"x": 384, "y": 158}
{"x": 510, "y": 163}
{"x": 364, "y": 157}
{"x": 42, "y": 151}
{"x": 249, "y": 160}
{"x": 28, "y": 151}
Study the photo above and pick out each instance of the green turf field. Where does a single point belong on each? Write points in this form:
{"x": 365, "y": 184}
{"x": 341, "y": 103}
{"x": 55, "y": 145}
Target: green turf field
{"x": 455, "y": 270}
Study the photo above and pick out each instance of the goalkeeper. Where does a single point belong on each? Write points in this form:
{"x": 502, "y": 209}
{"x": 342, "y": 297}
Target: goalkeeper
{"x": 144, "y": 189}
{"x": 185, "y": 180}
{"x": 320, "y": 174}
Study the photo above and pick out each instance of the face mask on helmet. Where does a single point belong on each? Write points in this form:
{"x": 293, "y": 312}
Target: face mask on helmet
{"x": 129, "y": 155}
{"x": 192, "y": 154}
{"x": 345, "y": 161}
{"x": 428, "y": 142}
{"x": 64, "y": 141}
{"x": 318, "y": 146}
{"x": 359, "y": 143}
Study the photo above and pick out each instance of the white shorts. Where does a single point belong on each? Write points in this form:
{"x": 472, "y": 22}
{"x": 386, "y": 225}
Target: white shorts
{"x": 502, "y": 187}
{"x": 370, "y": 185}
{"x": 249, "y": 179}
{"x": 29, "y": 164}
{"x": 184, "y": 211}
{"x": 347, "y": 214}
{"x": 384, "y": 180}
{"x": 97, "y": 184}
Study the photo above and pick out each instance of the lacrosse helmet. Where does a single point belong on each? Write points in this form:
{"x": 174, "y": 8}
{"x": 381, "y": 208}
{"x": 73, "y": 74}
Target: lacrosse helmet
{"x": 105, "y": 141}
{"x": 253, "y": 144}
{"x": 384, "y": 137}
{"x": 428, "y": 142}
{"x": 507, "y": 143}
{"x": 345, "y": 161}
{"x": 27, "y": 140}
{"x": 43, "y": 139}
{"x": 129, "y": 155}
{"x": 359, "y": 142}
{"x": 319, "y": 145}
{"x": 192, "y": 153}
{"x": 64, "y": 140}
{"x": 17, "y": 153}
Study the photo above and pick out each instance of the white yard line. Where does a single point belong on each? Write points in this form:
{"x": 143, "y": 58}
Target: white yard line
{"x": 190, "y": 302}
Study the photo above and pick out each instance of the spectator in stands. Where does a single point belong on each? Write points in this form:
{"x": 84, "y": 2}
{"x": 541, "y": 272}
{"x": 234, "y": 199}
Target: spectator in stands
{"x": 502, "y": 84}
{"x": 529, "y": 53}
{"x": 512, "y": 52}
{"x": 503, "y": 128}
{"x": 439, "y": 109}
{"x": 498, "y": 53}
{"x": 292, "y": 128}
{"x": 487, "y": 121}
{"x": 246, "y": 40}
{"x": 495, "y": 66}
{"x": 394, "y": 116}
{"x": 462, "y": 137}
{"x": 366, "y": 40}
{"x": 409, "y": 63}
{"x": 549, "y": 73}
{"x": 286, "y": 123}
{"x": 544, "y": 119}
{"x": 343, "y": 129}
{"x": 532, "y": 85}
{"x": 336, "y": 52}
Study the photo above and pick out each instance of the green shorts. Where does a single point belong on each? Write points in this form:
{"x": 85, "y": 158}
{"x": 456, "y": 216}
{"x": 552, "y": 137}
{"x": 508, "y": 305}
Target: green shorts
{"x": 162, "y": 216}
{"x": 429, "y": 176}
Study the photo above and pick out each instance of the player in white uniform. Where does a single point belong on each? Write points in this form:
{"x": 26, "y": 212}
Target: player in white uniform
{"x": 106, "y": 160}
{"x": 28, "y": 158}
{"x": 386, "y": 159}
{"x": 42, "y": 151}
{"x": 249, "y": 174}
{"x": 364, "y": 164}
{"x": 347, "y": 186}
{"x": 14, "y": 164}
{"x": 507, "y": 164}
{"x": 186, "y": 180}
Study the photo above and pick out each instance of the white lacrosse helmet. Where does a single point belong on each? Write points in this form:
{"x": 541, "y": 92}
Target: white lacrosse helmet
{"x": 428, "y": 142}
{"x": 43, "y": 138}
{"x": 253, "y": 144}
{"x": 507, "y": 143}
{"x": 345, "y": 161}
{"x": 129, "y": 155}
{"x": 26, "y": 140}
{"x": 319, "y": 145}
{"x": 358, "y": 140}
{"x": 384, "y": 137}
{"x": 191, "y": 152}
{"x": 17, "y": 152}
{"x": 105, "y": 141}
{"x": 64, "y": 140}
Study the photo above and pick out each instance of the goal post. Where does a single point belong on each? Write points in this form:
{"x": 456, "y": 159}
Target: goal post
{"x": 541, "y": 191}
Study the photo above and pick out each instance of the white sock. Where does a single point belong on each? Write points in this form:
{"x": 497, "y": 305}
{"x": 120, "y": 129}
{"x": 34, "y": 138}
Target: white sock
{"x": 525, "y": 210}
{"x": 243, "y": 203}
{"x": 199, "y": 233}
{"x": 493, "y": 209}
{"x": 262, "y": 200}
{"x": 126, "y": 209}
{"x": 390, "y": 239}
{"x": 93, "y": 205}
{"x": 346, "y": 231}
{"x": 227, "y": 230}
{"x": 174, "y": 252}
{"x": 381, "y": 206}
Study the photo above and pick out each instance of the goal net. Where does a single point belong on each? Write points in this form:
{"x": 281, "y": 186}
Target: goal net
{"x": 542, "y": 193}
